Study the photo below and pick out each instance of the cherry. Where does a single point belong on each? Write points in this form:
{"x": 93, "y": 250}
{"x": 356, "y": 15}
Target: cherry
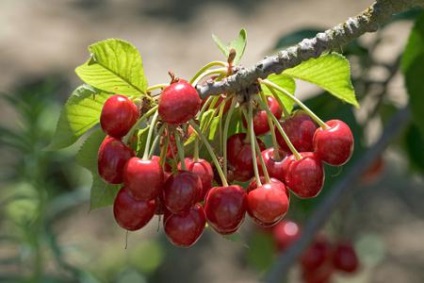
{"x": 300, "y": 129}
{"x": 268, "y": 203}
{"x": 179, "y": 102}
{"x": 181, "y": 191}
{"x": 144, "y": 178}
{"x": 317, "y": 254}
{"x": 304, "y": 177}
{"x": 118, "y": 115}
{"x": 132, "y": 214}
{"x": 111, "y": 158}
{"x": 345, "y": 258}
{"x": 272, "y": 164}
{"x": 260, "y": 119}
{"x": 335, "y": 144}
{"x": 321, "y": 275}
{"x": 185, "y": 229}
{"x": 203, "y": 169}
{"x": 225, "y": 208}
{"x": 285, "y": 233}
{"x": 240, "y": 156}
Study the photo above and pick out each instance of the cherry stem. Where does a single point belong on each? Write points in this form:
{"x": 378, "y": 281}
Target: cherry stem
{"x": 320, "y": 122}
{"x": 219, "y": 71}
{"x": 158, "y": 86}
{"x": 261, "y": 160}
{"x": 164, "y": 148}
{"x": 196, "y": 150}
{"x": 281, "y": 130}
{"x": 251, "y": 133}
{"x": 156, "y": 141}
{"x": 180, "y": 148}
{"x": 139, "y": 121}
{"x": 149, "y": 135}
{"x": 206, "y": 67}
{"x": 225, "y": 136}
{"x": 280, "y": 102}
{"x": 211, "y": 153}
{"x": 276, "y": 153}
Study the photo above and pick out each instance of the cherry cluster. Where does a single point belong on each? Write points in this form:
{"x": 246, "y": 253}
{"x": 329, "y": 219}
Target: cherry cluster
{"x": 237, "y": 175}
{"x": 322, "y": 258}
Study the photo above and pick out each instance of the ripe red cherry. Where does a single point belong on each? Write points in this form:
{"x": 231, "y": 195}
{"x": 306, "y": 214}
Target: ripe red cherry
{"x": 285, "y": 233}
{"x": 225, "y": 208}
{"x": 300, "y": 129}
{"x": 335, "y": 144}
{"x": 240, "y": 156}
{"x": 345, "y": 258}
{"x": 317, "y": 254}
{"x": 179, "y": 102}
{"x": 272, "y": 164}
{"x": 268, "y": 203}
{"x": 320, "y": 275}
{"x": 260, "y": 119}
{"x": 304, "y": 177}
{"x": 118, "y": 115}
{"x": 181, "y": 191}
{"x": 132, "y": 214}
{"x": 203, "y": 169}
{"x": 111, "y": 158}
{"x": 144, "y": 178}
{"x": 185, "y": 229}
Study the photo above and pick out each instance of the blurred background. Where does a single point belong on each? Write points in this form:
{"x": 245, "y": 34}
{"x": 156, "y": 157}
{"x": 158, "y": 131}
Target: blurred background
{"x": 48, "y": 234}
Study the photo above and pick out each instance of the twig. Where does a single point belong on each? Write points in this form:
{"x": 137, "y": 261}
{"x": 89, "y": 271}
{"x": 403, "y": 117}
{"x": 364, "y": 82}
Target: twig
{"x": 332, "y": 39}
{"x": 340, "y": 189}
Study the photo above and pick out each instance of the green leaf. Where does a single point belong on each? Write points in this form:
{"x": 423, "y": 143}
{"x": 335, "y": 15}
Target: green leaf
{"x": 285, "y": 82}
{"x": 114, "y": 66}
{"x": 102, "y": 194}
{"x": 238, "y": 44}
{"x": 330, "y": 72}
{"x": 414, "y": 141}
{"x": 80, "y": 114}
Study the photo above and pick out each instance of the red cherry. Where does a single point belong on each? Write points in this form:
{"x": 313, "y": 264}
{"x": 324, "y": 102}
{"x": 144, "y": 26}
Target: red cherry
{"x": 132, "y": 214}
{"x": 181, "y": 191}
{"x": 225, "y": 208}
{"x": 304, "y": 177}
{"x": 321, "y": 275}
{"x": 111, "y": 158}
{"x": 260, "y": 119}
{"x": 268, "y": 203}
{"x": 185, "y": 229}
{"x": 203, "y": 169}
{"x": 335, "y": 144}
{"x": 240, "y": 156}
{"x": 273, "y": 165}
{"x": 300, "y": 129}
{"x": 118, "y": 115}
{"x": 179, "y": 102}
{"x": 144, "y": 178}
{"x": 345, "y": 258}
{"x": 317, "y": 254}
{"x": 285, "y": 233}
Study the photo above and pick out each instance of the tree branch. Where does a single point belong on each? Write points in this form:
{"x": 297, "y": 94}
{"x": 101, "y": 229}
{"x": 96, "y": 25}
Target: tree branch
{"x": 332, "y": 39}
{"x": 340, "y": 189}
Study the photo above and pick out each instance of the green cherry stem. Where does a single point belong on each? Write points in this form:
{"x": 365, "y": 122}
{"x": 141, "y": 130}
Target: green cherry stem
{"x": 196, "y": 150}
{"x": 225, "y": 135}
{"x": 211, "y": 153}
{"x": 149, "y": 135}
{"x": 261, "y": 160}
{"x": 206, "y": 67}
{"x": 180, "y": 148}
{"x": 139, "y": 121}
{"x": 281, "y": 130}
{"x": 320, "y": 122}
{"x": 158, "y": 86}
{"x": 280, "y": 102}
{"x": 218, "y": 71}
{"x": 251, "y": 133}
{"x": 156, "y": 141}
{"x": 276, "y": 153}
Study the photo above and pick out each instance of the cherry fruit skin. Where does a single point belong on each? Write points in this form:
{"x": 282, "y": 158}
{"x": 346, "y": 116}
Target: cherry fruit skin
{"x": 285, "y": 233}
{"x": 268, "y": 203}
{"x": 132, "y": 214}
{"x": 272, "y": 164}
{"x": 300, "y": 128}
{"x": 260, "y": 119}
{"x": 225, "y": 208}
{"x": 179, "y": 102}
{"x": 144, "y": 178}
{"x": 181, "y": 191}
{"x": 185, "y": 229}
{"x": 345, "y": 258}
{"x": 203, "y": 169}
{"x": 112, "y": 156}
{"x": 334, "y": 145}
{"x": 304, "y": 177}
{"x": 317, "y": 254}
{"x": 118, "y": 115}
